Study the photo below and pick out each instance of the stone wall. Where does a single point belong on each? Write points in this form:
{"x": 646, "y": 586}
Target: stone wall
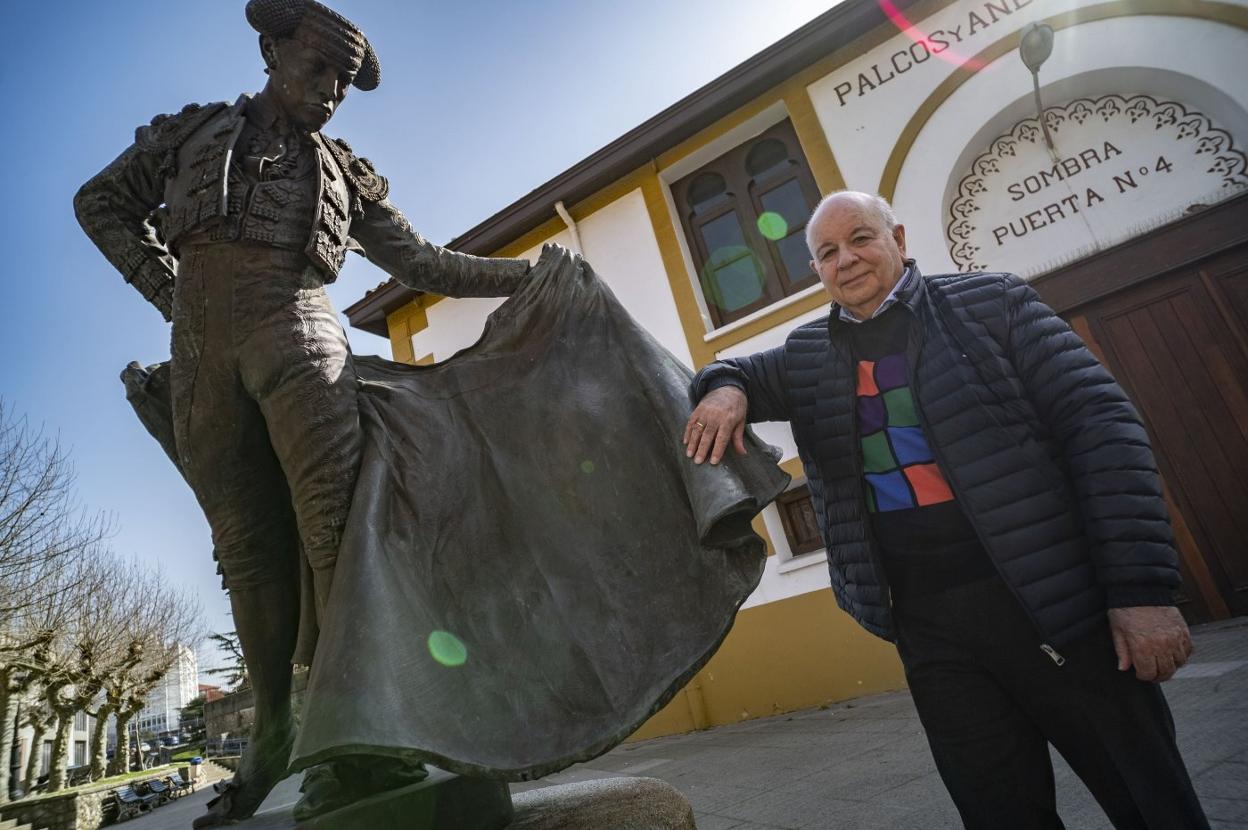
{"x": 230, "y": 716}
{"x": 80, "y": 809}
{"x": 233, "y": 714}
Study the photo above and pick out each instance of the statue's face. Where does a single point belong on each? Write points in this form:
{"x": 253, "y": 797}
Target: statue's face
{"x": 306, "y": 85}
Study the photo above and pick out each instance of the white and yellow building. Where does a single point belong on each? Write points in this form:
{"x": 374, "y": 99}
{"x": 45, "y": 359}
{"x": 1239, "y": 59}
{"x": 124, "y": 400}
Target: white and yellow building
{"x": 1124, "y": 206}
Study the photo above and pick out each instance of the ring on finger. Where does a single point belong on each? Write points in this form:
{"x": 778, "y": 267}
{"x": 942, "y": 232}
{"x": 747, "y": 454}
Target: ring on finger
{"x": 699, "y": 425}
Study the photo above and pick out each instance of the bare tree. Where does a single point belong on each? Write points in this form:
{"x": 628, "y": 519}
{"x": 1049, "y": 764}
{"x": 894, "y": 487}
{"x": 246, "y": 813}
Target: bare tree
{"x": 133, "y": 592}
{"x": 111, "y": 640}
{"x": 41, "y": 719}
{"x": 43, "y": 535}
{"x": 85, "y": 651}
{"x": 43, "y": 530}
{"x": 160, "y": 628}
{"x": 29, "y": 661}
{"x": 78, "y": 627}
{"x": 45, "y": 662}
{"x": 98, "y": 753}
{"x": 15, "y": 684}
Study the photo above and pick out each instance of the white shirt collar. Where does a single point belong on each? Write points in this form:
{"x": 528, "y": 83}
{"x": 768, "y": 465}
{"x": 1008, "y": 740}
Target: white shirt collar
{"x": 907, "y": 274}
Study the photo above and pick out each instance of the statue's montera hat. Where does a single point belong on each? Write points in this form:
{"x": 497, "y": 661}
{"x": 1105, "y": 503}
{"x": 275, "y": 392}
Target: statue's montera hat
{"x": 323, "y": 29}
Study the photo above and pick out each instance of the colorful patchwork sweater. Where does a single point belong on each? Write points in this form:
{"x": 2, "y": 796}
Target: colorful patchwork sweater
{"x": 925, "y": 540}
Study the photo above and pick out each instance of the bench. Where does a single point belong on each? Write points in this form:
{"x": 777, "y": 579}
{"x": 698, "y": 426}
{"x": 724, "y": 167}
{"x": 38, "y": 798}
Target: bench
{"x": 178, "y": 787}
{"x": 157, "y": 788}
{"x": 130, "y": 803}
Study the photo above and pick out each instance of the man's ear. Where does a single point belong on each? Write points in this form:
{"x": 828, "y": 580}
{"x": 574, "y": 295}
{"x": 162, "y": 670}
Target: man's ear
{"x": 899, "y": 236}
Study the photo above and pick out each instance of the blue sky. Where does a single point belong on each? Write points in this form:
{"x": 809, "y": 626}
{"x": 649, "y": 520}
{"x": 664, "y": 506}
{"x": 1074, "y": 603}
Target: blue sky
{"x": 479, "y": 103}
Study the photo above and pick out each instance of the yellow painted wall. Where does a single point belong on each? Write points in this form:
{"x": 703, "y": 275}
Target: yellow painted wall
{"x": 786, "y": 655}
{"x": 402, "y": 323}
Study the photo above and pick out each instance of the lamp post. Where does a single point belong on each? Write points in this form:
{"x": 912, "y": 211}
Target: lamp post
{"x": 1035, "y": 44}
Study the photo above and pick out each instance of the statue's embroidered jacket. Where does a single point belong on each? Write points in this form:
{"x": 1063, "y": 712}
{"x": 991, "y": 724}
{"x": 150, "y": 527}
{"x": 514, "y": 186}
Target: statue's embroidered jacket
{"x": 175, "y": 181}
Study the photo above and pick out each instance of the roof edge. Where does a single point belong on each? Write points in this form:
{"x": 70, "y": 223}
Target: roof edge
{"x": 369, "y": 312}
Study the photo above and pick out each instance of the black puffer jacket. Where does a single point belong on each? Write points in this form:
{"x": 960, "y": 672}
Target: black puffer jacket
{"x": 1044, "y": 452}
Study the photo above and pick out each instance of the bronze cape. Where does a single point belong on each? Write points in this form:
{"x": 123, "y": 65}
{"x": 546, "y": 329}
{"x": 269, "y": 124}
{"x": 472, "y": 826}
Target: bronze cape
{"x": 530, "y": 498}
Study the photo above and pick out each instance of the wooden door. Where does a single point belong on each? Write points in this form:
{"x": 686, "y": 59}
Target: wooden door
{"x": 1178, "y": 343}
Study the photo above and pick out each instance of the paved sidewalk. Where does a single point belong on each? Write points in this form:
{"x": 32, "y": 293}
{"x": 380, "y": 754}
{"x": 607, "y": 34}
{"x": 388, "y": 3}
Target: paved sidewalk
{"x": 865, "y": 763}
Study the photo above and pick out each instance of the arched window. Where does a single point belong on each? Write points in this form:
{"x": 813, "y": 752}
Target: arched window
{"x": 744, "y": 215}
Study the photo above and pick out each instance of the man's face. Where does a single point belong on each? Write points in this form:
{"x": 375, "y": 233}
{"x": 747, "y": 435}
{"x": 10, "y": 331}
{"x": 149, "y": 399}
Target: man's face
{"x": 857, "y": 258}
{"x": 307, "y": 87}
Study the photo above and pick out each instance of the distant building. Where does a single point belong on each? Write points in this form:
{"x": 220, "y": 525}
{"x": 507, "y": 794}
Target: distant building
{"x": 210, "y": 692}
{"x": 23, "y": 745}
{"x": 178, "y": 688}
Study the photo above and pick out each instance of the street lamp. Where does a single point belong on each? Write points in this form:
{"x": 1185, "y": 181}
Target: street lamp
{"x": 1035, "y": 44}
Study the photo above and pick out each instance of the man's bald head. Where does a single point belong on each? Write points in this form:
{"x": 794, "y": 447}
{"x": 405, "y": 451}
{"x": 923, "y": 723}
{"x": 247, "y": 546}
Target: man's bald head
{"x": 841, "y": 198}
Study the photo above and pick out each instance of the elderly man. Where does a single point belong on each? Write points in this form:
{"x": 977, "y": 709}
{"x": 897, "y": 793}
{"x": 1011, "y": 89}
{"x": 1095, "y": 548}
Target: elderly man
{"x": 230, "y": 219}
{"x": 990, "y": 503}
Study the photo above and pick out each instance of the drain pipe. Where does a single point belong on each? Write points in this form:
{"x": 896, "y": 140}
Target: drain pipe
{"x": 567, "y": 220}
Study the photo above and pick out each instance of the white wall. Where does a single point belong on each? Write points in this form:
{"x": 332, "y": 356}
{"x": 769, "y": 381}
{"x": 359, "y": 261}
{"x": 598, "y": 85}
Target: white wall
{"x": 1126, "y": 56}
{"x": 864, "y": 106}
{"x": 774, "y": 433}
{"x": 454, "y": 324}
{"x": 863, "y": 122}
{"x": 785, "y": 575}
{"x": 618, "y": 241}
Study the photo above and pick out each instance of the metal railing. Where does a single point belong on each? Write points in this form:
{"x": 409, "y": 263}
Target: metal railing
{"x": 229, "y": 746}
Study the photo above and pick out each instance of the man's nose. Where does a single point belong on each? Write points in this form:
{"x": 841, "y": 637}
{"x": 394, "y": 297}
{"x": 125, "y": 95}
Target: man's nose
{"x": 844, "y": 259}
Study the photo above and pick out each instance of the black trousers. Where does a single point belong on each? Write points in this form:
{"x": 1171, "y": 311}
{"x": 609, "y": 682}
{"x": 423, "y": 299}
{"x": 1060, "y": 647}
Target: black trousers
{"x": 991, "y": 701}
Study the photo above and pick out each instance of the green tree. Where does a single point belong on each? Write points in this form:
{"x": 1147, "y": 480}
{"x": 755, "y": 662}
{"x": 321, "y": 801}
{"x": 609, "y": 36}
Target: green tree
{"x": 194, "y": 709}
{"x": 193, "y": 713}
{"x": 234, "y": 670}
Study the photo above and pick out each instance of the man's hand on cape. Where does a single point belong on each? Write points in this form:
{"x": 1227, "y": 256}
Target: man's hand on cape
{"x": 717, "y": 419}
{"x": 1153, "y": 639}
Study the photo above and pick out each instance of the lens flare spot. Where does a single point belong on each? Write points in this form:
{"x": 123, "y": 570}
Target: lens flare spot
{"x": 772, "y": 225}
{"x": 587, "y": 466}
{"x": 930, "y": 48}
{"x": 447, "y": 649}
{"x": 733, "y": 277}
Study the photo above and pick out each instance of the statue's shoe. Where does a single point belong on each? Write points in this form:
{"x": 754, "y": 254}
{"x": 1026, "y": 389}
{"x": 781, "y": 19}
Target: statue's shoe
{"x": 265, "y": 762}
{"x": 330, "y": 786}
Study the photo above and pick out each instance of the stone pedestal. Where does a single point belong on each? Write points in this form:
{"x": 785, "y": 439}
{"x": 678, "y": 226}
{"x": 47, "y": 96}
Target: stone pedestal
{"x": 441, "y": 802}
{"x": 449, "y": 802}
{"x": 605, "y": 804}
